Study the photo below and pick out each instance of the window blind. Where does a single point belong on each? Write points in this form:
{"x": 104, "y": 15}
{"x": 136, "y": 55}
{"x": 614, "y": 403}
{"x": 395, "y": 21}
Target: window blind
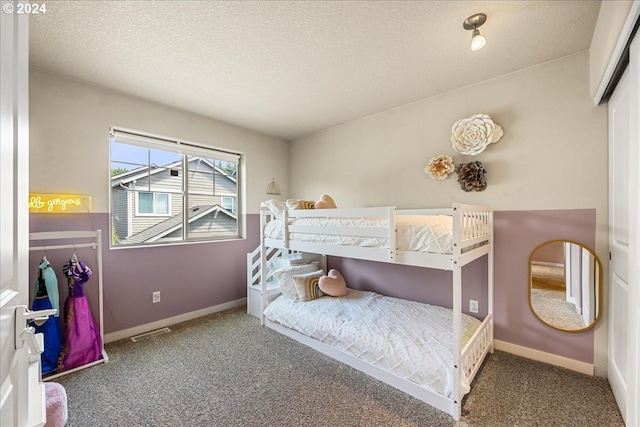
{"x": 182, "y": 147}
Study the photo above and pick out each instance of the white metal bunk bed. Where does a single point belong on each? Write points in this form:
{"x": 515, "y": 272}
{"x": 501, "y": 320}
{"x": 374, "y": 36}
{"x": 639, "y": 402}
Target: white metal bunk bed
{"x": 472, "y": 238}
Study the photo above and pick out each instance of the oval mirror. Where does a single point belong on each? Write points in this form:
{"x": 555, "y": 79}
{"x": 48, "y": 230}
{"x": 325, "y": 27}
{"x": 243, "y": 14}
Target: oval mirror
{"x": 565, "y": 285}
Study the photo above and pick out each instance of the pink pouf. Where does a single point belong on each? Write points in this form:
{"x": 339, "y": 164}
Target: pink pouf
{"x": 56, "y": 397}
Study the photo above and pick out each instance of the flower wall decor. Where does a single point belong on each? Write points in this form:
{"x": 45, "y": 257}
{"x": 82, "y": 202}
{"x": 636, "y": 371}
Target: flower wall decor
{"x": 440, "y": 167}
{"x": 472, "y": 135}
{"x": 471, "y": 176}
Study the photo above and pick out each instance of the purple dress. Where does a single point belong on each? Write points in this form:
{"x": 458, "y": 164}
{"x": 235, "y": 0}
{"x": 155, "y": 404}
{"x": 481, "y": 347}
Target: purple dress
{"x": 82, "y": 343}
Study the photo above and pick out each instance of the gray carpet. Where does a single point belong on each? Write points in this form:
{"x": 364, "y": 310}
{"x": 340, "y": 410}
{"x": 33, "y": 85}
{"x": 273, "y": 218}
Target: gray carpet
{"x": 227, "y": 370}
{"x": 552, "y": 307}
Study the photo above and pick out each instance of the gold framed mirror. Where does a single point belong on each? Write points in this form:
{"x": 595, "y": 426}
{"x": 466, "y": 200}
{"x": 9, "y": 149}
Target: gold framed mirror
{"x": 565, "y": 285}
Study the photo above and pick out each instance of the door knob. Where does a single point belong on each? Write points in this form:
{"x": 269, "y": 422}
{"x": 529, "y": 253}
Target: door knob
{"x": 23, "y": 332}
{"x": 28, "y": 335}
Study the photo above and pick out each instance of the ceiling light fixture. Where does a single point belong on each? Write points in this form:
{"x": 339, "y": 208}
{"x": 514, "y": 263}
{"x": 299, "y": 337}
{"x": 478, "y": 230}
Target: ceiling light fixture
{"x": 472, "y": 23}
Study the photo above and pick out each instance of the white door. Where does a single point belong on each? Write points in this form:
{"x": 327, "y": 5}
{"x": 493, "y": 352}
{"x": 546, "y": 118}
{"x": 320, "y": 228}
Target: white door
{"x": 633, "y": 356}
{"x": 21, "y": 393}
{"x": 619, "y": 240}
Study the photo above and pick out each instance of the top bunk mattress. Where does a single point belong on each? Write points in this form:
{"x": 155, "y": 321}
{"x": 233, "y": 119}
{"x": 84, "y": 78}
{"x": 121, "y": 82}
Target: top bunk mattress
{"x": 416, "y": 233}
{"x": 409, "y": 339}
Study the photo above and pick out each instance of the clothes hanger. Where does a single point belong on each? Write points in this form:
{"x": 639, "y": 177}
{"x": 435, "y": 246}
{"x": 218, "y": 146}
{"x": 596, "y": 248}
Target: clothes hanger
{"x": 75, "y": 262}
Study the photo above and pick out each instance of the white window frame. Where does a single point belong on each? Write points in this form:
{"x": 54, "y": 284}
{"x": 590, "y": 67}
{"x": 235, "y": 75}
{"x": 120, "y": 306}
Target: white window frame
{"x": 135, "y": 138}
{"x": 154, "y": 213}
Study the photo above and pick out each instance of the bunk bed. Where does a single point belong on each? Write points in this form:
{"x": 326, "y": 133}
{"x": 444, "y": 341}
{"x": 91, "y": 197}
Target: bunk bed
{"x": 446, "y": 239}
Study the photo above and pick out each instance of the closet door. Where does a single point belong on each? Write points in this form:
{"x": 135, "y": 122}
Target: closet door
{"x": 619, "y": 126}
{"x": 624, "y": 240}
{"x": 633, "y": 356}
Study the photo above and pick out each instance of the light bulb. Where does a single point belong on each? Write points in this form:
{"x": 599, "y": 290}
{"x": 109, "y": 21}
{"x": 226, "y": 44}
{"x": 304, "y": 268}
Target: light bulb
{"x": 477, "y": 40}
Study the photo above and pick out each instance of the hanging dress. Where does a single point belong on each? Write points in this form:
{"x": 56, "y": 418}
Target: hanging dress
{"x": 82, "y": 341}
{"x": 46, "y": 297}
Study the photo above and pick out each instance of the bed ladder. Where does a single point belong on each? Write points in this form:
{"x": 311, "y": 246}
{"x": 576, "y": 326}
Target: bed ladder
{"x": 258, "y": 294}
{"x": 255, "y": 288}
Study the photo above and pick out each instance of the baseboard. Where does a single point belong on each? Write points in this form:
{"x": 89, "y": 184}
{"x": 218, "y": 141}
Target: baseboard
{"x": 127, "y": 333}
{"x": 541, "y": 356}
{"x": 547, "y": 264}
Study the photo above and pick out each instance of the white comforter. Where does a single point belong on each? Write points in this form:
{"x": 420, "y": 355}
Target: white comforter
{"x": 420, "y": 233}
{"x": 409, "y": 339}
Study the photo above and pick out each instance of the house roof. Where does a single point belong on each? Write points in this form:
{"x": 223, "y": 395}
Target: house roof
{"x": 139, "y": 173}
{"x": 174, "y": 223}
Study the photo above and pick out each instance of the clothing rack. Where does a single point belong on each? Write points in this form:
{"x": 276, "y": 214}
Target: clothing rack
{"x": 96, "y": 245}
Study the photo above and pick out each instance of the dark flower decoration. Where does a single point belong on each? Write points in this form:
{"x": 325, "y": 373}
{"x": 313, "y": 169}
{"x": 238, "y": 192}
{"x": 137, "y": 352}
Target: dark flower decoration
{"x": 471, "y": 176}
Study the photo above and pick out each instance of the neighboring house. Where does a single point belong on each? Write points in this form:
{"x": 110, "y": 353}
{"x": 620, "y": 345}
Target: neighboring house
{"x": 147, "y": 203}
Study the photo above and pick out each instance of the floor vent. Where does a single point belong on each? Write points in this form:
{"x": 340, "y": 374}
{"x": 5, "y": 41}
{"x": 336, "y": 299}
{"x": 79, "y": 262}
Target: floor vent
{"x": 151, "y": 334}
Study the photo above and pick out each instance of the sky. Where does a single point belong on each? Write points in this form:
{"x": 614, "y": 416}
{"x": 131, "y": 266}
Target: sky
{"x": 140, "y": 156}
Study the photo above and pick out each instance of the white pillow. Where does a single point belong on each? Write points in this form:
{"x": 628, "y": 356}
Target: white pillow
{"x": 285, "y": 277}
{"x": 276, "y": 207}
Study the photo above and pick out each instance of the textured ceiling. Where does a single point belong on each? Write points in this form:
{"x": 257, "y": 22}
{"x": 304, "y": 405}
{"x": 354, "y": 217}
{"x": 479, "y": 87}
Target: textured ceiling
{"x": 288, "y": 68}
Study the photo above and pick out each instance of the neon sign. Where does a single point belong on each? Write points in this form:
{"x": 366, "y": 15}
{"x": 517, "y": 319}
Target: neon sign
{"x": 59, "y": 203}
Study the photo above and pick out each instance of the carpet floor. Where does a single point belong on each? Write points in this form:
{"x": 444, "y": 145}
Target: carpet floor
{"x": 226, "y": 370}
{"x": 552, "y": 307}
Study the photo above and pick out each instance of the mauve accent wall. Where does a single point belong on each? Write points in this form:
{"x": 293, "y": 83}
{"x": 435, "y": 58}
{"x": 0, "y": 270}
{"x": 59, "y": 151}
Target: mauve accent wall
{"x": 517, "y": 234}
{"x": 190, "y": 277}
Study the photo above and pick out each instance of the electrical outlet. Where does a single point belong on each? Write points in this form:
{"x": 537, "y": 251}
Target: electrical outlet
{"x": 473, "y": 306}
{"x": 156, "y": 297}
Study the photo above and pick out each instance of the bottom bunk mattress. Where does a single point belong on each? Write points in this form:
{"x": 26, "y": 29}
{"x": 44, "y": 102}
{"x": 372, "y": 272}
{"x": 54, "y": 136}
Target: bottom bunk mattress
{"x": 409, "y": 339}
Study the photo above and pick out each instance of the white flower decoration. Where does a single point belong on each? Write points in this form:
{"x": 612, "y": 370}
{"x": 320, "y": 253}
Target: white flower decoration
{"x": 471, "y": 136}
{"x": 440, "y": 167}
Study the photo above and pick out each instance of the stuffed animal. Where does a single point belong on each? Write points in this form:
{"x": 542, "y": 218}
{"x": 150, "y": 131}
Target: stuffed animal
{"x": 325, "y": 202}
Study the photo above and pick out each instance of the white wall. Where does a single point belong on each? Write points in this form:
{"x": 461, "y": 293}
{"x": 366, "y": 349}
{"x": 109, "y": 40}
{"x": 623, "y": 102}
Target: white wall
{"x": 70, "y": 139}
{"x": 553, "y": 154}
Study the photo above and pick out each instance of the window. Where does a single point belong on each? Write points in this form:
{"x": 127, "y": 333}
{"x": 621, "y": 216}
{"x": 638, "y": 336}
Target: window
{"x": 229, "y": 203}
{"x": 152, "y": 203}
{"x": 165, "y": 191}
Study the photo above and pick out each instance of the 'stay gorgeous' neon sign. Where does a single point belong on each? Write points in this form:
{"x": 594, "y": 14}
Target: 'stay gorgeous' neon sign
{"x": 59, "y": 203}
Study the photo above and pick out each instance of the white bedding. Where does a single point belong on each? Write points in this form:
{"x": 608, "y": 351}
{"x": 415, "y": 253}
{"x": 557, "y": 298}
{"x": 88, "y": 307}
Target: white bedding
{"x": 409, "y": 339}
{"x": 419, "y": 233}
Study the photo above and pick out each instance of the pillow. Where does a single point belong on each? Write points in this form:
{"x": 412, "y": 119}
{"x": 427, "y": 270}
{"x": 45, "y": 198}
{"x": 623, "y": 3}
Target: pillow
{"x": 307, "y": 285}
{"x": 333, "y": 284}
{"x": 300, "y": 204}
{"x": 325, "y": 202}
{"x": 276, "y": 207}
{"x": 285, "y": 277}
